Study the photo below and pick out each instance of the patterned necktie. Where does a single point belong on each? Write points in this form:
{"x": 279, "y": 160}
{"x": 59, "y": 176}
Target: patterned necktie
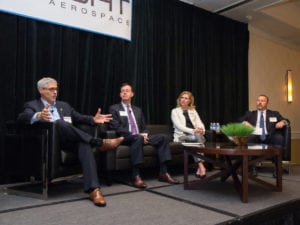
{"x": 262, "y": 126}
{"x": 132, "y": 124}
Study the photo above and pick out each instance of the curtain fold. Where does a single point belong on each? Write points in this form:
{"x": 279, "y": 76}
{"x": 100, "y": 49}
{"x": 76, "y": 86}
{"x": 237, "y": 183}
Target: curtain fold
{"x": 174, "y": 47}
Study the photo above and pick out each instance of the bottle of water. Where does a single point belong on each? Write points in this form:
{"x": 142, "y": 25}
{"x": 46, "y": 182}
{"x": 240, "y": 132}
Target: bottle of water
{"x": 212, "y": 126}
{"x": 217, "y": 127}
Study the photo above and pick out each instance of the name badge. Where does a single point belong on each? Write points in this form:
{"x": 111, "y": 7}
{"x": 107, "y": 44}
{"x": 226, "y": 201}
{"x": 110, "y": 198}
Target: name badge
{"x": 123, "y": 113}
{"x": 273, "y": 119}
{"x": 68, "y": 119}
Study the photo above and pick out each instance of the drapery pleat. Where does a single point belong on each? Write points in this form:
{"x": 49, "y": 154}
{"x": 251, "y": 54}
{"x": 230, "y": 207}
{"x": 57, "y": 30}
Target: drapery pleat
{"x": 174, "y": 47}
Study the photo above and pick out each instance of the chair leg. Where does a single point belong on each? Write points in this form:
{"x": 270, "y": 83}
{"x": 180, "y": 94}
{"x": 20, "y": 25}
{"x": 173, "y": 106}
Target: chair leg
{"x": 108, "y": 179}
{"x": 107, "y": 176}
{"x": 287, "y": 171}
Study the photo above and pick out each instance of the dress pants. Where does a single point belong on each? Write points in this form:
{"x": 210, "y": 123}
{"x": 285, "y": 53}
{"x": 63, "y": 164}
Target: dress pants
{"x": 74, "y": 139}
{"x": 70, "y": 133}
{"x": 274, "y": 139}
{"x": 136, "y": 142}
{"x": 89, "y": 166}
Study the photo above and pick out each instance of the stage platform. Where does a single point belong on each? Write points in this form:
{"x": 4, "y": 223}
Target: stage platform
{"x": 160, "y": 203}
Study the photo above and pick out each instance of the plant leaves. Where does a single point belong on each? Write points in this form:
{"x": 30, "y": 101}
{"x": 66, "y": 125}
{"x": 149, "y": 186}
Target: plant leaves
{"x": 236, "y": 129}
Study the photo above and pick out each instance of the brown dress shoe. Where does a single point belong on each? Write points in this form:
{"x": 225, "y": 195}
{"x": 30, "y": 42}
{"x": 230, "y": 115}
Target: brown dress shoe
{"x": 97, "y": 197}
{"x": 110, "y": 144}
{"x": 138, "y": 182}
{"x": 167, "y": 178}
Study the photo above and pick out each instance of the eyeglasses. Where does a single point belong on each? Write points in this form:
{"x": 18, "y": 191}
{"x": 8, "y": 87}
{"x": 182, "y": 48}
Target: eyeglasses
{"x": 51, "y": 89}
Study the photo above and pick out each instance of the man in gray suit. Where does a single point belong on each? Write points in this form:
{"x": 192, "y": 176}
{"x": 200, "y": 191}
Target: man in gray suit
{"x": 48, "y": 109}
{"x": 128, "y": 121}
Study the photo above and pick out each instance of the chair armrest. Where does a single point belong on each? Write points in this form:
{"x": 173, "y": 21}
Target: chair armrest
{"x": 39, "y": 128}
{"x": 287, "y": 142}
{"x": 35, "y": 126}
{"x": 110, "y": 134}
{"x": 35, "y": 142}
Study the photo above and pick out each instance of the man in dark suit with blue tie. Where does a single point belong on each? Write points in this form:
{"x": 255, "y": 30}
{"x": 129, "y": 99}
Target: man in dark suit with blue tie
{"x": 267, "y": 124}
{"x": 48, "y": 109}
{"x": 128, "y": 121}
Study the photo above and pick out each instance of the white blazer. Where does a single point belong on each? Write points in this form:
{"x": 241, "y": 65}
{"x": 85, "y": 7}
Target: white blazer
{"x": 179, "y": 122}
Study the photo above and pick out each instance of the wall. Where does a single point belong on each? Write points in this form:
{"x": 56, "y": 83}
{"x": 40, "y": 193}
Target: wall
{"x": 268, "y": 63}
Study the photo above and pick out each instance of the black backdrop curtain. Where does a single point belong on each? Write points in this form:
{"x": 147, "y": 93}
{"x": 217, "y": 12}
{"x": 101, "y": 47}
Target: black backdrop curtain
{"x": 174, "y": 47}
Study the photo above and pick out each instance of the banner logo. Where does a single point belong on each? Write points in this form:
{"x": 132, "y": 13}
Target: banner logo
{"x": 108, "y": 17}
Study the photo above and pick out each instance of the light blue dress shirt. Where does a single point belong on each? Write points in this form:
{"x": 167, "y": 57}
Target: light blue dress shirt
{"x": 53, "y": 110}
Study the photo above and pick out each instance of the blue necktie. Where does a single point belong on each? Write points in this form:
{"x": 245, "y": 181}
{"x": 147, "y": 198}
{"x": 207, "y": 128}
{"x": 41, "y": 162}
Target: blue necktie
{"x": 131, "y": 121}
{"x": 262, "y": 126}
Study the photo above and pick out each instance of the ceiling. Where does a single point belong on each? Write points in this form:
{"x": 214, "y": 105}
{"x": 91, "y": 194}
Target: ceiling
{"x": 278, "y": 20}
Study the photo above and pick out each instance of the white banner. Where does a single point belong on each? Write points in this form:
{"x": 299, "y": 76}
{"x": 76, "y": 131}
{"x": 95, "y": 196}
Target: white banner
{"x": 109, "y": 17}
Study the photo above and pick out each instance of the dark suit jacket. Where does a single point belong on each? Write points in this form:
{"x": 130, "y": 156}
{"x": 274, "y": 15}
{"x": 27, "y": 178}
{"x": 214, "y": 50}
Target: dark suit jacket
{"x": 63, "y": 108}
{"x": 251, "y": 117}
{"x": 70, "y": 135}
{"x": 120, "y": 122}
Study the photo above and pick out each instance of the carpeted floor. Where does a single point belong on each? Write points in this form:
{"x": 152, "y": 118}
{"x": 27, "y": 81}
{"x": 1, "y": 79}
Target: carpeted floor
{"x": 160, "y": 203}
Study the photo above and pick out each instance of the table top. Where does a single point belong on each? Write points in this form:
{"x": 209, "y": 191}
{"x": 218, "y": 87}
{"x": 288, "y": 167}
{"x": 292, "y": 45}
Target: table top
{"x": 231, "y": 149}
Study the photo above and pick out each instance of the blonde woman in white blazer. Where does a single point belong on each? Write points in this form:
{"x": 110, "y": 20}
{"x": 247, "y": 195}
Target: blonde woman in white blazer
{"x": 188, "y": 127}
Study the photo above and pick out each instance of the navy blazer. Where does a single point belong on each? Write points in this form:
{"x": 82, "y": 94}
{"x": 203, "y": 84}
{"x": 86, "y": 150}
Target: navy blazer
{"x": 120, "y": 121}
{"x": 63, "y": 108}
{"x": 272, "y": 117}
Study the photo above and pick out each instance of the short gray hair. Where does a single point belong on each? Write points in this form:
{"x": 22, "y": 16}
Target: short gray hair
{"x": 42, "y": 83}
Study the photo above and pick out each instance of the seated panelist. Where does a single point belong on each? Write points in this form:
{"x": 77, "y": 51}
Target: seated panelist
{"x": 267, "y": 124}
{"x": 128, "y": 121}
{"x": 188, "y": 126}
{"x": 48, "y": 109}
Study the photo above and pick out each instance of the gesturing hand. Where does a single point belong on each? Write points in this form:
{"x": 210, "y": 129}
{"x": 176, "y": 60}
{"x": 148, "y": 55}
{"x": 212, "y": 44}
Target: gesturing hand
{"x": 102, "y": 118}
{"x": 44, "y": 114}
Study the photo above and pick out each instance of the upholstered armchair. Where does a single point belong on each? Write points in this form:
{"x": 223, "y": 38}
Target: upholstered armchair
{"x": 287, "y": 143}
{"x": 119, "y": 159}
{"x": 42, "y": 160}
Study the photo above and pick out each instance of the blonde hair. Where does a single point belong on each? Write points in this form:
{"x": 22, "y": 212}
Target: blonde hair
{"x": 191, "y": 96}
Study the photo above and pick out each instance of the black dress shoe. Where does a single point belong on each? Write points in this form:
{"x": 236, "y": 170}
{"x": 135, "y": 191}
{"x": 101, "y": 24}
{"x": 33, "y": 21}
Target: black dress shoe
{"x": 167, "y": 178}
{"x": 200, "y": 176}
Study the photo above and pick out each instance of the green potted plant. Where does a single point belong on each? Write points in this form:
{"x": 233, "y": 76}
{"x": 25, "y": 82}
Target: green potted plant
{"x": 237, "y": 132}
